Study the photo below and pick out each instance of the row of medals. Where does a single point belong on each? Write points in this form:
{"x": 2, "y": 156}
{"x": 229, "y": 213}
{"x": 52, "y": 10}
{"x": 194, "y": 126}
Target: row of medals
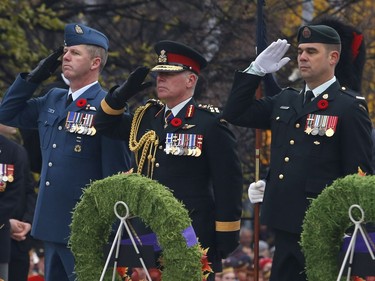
{"x": 5, "y": 176}
{"x": 321, "y": 125}
{"x": 183, "y": 144}
{"x": 80, "y": 123}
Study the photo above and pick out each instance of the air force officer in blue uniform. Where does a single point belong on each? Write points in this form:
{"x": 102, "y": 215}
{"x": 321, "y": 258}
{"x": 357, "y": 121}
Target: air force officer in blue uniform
{"x": 73, "y": 153}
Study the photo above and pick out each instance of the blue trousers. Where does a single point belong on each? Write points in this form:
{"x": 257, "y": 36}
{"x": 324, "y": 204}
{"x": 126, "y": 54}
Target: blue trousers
{"x": 58, "y": 262}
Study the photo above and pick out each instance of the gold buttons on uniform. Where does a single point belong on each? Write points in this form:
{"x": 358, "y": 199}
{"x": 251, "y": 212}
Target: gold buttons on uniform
{"x": 281, "y": 176}
{"x": 286, "y": 159}
{"x": 298, "y": 125}
{"x": 278, "y": 117}
{"x": 157, "y": 165}
{"x": 291, "y": 142}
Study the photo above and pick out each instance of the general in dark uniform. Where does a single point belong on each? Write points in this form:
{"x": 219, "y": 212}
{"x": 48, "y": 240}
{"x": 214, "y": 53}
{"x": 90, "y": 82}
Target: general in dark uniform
{"x": 183, "y": 145}
{"x": 73, "y": 153}
{"x": 315, "y": 139}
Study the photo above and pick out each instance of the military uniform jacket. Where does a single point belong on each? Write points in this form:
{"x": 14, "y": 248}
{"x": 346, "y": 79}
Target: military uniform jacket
{"x": 11, "y": 189}
{"x": 209, "y": 184}
{"x": 70, "y": 160}
{"x": 303, "y": 163}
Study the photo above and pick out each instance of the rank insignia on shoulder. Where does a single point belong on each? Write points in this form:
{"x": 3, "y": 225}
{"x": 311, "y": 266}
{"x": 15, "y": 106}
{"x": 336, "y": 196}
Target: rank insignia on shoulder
{"x": 155, "y": 102}
{"x": 209, "y": 107}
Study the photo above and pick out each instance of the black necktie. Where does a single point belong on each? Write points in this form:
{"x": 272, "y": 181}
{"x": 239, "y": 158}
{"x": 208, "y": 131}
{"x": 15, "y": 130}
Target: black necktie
{"x": 168, "y": 117}
{"x": 308, "y": 96}
{"x": 69, "y": 100}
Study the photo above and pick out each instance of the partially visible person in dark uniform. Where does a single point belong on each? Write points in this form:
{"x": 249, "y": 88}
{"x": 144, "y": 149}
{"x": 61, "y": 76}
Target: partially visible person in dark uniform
{"x": 21, "y": 219}
{"x": 14, "y": 174}
{"x": 73, "y": 154}
{"x": 194, "y": 152}
{"x": 315, "y": 139}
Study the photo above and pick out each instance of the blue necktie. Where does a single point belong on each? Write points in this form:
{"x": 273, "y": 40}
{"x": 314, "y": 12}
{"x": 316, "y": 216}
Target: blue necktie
{"x": 168, "y": 117}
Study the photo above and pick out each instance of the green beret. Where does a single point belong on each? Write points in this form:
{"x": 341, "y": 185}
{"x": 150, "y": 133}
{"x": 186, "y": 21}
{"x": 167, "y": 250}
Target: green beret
{"x": 318, "y": 34}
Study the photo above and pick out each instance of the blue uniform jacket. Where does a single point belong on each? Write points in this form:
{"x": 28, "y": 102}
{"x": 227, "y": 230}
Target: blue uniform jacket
{"x": 70, "y": 160}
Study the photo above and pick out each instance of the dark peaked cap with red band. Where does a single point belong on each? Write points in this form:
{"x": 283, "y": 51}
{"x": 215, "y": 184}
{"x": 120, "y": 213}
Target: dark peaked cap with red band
{"x": 177, "y": 57}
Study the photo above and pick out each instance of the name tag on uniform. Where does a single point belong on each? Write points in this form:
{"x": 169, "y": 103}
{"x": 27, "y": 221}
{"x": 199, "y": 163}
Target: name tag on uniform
{"x": 284, "y": 107}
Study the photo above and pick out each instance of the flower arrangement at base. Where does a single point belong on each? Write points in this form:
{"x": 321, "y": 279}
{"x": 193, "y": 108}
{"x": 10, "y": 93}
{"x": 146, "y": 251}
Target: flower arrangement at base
{"x": 155, "y": 204}
{"x": 327, "y": 219}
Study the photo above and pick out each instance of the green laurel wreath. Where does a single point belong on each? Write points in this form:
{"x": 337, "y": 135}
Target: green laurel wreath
{"x": 94, "y": 216}
{"x": 327, "y": 219}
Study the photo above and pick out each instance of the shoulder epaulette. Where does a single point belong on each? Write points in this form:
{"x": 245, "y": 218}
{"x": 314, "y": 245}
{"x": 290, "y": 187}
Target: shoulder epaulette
{"x": 209, "y": 108}
{"x": 290, "y": 89}
{"x": 352, "y": 93}
{"x": 155, "y": 102}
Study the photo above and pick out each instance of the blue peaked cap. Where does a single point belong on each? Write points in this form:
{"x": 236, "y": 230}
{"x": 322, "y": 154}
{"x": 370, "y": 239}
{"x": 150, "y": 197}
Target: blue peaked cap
{"x": 77, "y": 34}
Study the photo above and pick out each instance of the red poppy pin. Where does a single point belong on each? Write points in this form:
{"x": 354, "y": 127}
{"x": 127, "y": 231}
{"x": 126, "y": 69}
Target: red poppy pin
{"x": 81, "y": 102}
{"x": 176, "y": 122}
{"x": 322, "y": 104}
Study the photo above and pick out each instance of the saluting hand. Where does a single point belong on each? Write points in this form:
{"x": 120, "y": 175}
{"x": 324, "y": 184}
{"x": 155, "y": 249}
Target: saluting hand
{"x": 118, "y": 96}
{"x": 271, "y": 59}
{"x": 46, "y": 67}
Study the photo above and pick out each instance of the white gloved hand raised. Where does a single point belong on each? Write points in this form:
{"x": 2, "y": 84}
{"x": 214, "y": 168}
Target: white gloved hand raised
{"x": 271, "y": 59}
{"x": 256, "y": 191}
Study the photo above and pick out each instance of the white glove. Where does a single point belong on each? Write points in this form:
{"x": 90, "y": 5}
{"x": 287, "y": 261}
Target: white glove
{"x": 271, "y": 59}
{"x": 256, "y": 191}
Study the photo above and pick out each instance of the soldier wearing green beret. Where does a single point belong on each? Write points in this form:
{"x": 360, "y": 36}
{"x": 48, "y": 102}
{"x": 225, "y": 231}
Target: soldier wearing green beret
{"x": 319, "y": 134}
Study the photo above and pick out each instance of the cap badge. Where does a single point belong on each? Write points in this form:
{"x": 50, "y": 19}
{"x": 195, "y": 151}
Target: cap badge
{"x": 162, "y": 57}
{"x": 306, "y": 33}
{"x": 78, "y": 29}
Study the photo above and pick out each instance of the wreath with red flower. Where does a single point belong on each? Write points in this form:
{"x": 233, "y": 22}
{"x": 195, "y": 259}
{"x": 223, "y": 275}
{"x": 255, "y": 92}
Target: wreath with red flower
{"x": 176, "y": 122}
{"x": 81, "y": 102}
{"x": 323, "y": 104}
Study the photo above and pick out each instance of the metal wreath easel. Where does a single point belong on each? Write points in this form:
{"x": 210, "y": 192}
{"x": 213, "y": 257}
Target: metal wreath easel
{"x": 350, "y": 251}
{"x": 117, "y": 242}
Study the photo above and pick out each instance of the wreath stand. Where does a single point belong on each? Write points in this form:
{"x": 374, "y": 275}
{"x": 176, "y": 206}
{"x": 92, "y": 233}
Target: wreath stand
{"x": 351, "y": 247}
{"x": 117, "y": 243}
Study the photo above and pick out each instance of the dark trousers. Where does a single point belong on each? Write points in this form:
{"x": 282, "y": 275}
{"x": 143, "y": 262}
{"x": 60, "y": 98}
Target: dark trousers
{"x": 288, "y": 261}
{"x": 19, "y": 261}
